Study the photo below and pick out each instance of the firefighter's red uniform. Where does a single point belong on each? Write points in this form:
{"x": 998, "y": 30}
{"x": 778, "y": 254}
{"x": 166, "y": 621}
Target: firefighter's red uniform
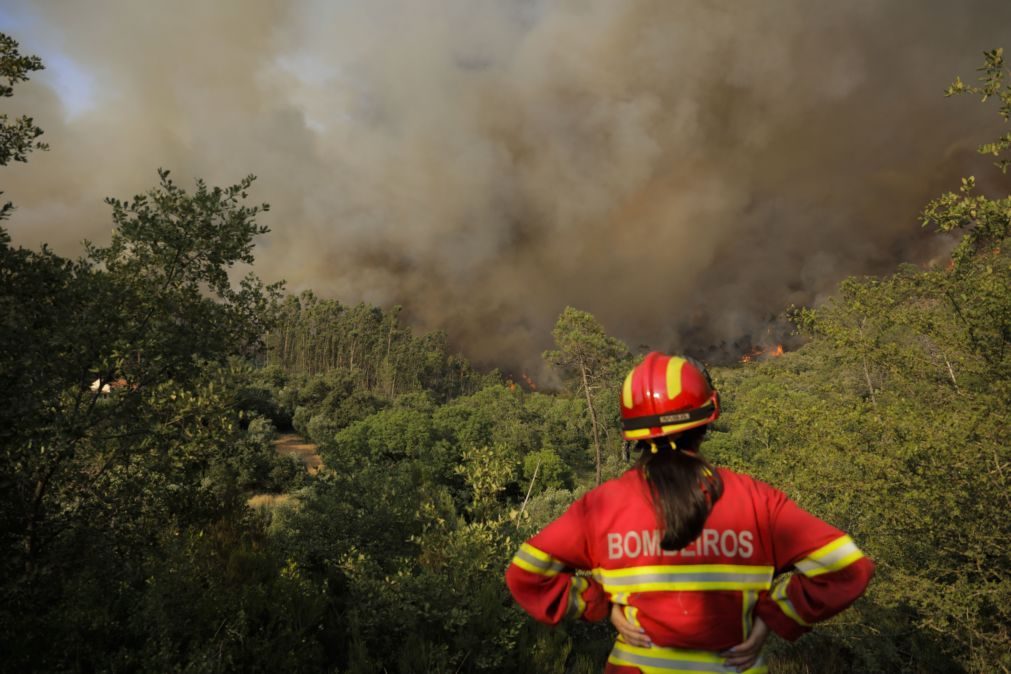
{"x": 698, "y": 601}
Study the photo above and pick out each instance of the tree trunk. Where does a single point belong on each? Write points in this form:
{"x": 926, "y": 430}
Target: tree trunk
{"x": 870, "y": 386}
{"x": 593, "y": 420}
{"x": 951, "y": 372}
{"x": 530, "y": 489}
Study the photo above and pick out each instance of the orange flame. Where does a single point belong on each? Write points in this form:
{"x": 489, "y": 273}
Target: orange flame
{"x": 759, "y": 352}
{"x": 529, "y": 382}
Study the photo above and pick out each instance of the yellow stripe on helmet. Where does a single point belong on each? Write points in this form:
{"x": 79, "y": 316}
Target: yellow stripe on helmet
{"x": 626, "y": 391}
{"x": 674, "y": 366}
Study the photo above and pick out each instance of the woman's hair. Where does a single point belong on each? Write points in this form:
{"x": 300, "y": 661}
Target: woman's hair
{"x": 684, "y": 486}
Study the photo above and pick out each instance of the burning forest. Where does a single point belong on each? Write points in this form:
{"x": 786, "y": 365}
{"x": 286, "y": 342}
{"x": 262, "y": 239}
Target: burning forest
{"x": 530, "y": 362}
{"x": 682, "y": 172}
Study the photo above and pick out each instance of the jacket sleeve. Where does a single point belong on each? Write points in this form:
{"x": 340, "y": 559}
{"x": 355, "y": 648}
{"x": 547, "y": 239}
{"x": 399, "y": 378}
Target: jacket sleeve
{"x": 541, "y": 575}
{"x": 831, "y": 571}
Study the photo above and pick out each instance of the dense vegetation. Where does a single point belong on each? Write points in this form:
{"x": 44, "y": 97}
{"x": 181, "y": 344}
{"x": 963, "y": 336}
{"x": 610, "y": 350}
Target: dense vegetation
{"x": 140, "y": 389}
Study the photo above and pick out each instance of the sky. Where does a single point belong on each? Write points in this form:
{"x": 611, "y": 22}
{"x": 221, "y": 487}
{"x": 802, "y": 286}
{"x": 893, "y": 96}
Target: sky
{"x": 682, "y": 170}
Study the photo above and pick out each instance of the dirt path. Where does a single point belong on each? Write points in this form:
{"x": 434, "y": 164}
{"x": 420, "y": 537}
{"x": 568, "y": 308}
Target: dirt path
{"x": 292, "y": 444}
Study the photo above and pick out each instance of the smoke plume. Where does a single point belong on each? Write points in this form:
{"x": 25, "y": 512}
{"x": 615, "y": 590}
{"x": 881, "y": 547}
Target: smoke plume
{"x": 682, "y": 170}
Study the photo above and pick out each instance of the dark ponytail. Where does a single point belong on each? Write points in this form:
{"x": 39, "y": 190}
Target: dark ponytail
{"x": 684, "y": 486}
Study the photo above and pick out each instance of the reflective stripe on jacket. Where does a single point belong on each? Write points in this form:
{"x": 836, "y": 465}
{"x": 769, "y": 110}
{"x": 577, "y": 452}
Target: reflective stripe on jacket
{"x": 704, "y": 597}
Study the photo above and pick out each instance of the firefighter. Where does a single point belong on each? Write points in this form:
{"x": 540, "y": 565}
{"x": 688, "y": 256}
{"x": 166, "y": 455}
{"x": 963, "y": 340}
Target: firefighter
{"x": 694, "y": 564}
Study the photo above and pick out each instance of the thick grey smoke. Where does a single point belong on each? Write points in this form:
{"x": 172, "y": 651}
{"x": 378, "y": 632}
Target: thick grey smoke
{"x": 683, "y": 170}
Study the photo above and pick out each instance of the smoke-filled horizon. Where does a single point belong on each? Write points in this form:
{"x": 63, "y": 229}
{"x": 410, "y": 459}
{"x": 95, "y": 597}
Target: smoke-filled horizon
{"x": 682, "y": 170}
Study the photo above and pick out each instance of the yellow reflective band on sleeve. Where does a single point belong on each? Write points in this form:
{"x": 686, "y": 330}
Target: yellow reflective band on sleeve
{"x": 660, "y": 660}
{"x": 577, "y": 606}
{"x": 783, "y": 602}
{"x": 837, "y": 555}
{"x": 534, "y": 552}
{"x": 537, "y": 561}
{"x": 632, "y": 615}
{"x": 748, "y": 600}
{"x": 684, "y": 577}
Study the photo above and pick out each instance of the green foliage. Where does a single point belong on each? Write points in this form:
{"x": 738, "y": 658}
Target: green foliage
{"x": 561, "y": 422}
{"x": 119, "y": 422}
{"x": 261, "y": 469}
{"x": 992, "y": 84}
{"x": 551, "y": 471}
{"x": 890, "y": 425}
{"x": 385, "y": 437}
{"x": 262, "y": 395}
{"x": 172, "y": 249}
{"x": 17, "y": 137}
{"x": 545, "y": 507}
{"x": 591, "y": 363}
{"x": 369, "y": 346}
{"x": 14, "y": 68}
{"x": 494, "y": 415}
{"x": 488, "y": 470}
{"x": 133, "y": 429}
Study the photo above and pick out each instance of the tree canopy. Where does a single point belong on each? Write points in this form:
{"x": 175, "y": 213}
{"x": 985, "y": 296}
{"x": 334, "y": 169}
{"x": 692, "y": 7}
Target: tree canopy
{"x": 142, "y": 385}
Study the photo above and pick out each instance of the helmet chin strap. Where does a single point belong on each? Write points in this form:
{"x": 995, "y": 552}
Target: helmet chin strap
{"x": 654, "y": 447}
{"x": 667, "y": 442}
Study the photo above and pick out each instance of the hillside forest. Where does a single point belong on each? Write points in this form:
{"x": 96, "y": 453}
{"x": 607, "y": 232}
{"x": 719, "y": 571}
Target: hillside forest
{"x": 142, "y": 387}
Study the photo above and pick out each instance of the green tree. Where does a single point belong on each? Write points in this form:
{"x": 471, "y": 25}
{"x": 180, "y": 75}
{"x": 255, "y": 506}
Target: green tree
{"x": 891, "y": 424}
{"x": 117, "y": 406}
{"x": 314, "y": 336}
{"x": 992, "y": 85}
{"x": 590, "y": 363}
{"x": 17, "y": 137}
{"x": 550, "y": 471}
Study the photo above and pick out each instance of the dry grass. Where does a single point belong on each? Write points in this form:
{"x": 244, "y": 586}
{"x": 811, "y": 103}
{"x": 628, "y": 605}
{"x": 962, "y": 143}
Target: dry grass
{"x": 291, "y": 444}
{"x": 268, "y": 501}
{"x": 826, "y": 660}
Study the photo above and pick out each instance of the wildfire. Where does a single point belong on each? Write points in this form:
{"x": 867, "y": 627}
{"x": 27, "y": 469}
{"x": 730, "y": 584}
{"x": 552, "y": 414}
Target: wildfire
{"x": 760, "y": 352}
{"x": 526, "y": 380}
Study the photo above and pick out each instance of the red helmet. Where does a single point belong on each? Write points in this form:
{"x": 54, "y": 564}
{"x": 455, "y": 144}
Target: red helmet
{"x": 665, "y": 395}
